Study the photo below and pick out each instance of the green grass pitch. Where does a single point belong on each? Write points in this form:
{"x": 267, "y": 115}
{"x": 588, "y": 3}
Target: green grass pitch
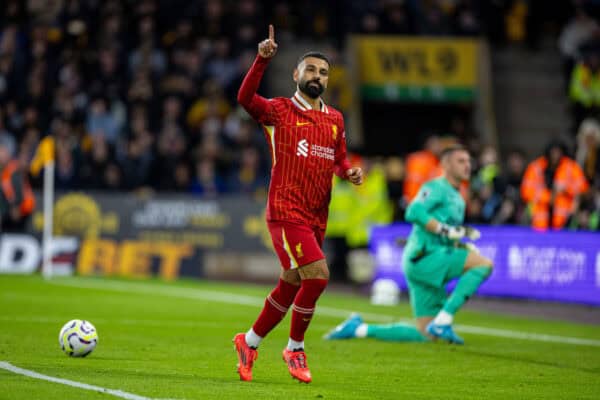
{"x": 173, "y": 341}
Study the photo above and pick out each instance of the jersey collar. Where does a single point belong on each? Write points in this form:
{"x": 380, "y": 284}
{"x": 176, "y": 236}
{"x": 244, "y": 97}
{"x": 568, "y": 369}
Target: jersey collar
{"x": 304, "y": 106}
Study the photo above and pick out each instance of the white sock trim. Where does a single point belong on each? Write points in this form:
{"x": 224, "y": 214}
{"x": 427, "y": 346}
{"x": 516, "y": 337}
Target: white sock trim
{"x": 443, "y": 318}
{"x": 252, "y": 339}
{"x": 294, "y": 344}
{"x": 361, "y": 331}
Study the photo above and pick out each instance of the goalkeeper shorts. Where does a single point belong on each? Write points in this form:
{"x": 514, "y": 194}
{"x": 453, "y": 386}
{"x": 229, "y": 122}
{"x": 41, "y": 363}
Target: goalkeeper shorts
{"x": 427, "y": 278}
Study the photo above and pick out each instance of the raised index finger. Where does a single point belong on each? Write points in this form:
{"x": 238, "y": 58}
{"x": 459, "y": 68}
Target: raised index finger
{"x": 271, "y": 32}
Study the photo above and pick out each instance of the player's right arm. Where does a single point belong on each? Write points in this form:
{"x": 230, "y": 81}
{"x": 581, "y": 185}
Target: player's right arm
{"x": 419, "y": 212}
{"x": 257, "y": 106}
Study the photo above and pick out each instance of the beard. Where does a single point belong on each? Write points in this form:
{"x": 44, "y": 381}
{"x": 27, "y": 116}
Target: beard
{"x": 312, "y": 89}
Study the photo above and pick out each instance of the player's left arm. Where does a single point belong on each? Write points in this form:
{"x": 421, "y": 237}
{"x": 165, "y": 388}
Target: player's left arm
{"x": 343, "y": 169}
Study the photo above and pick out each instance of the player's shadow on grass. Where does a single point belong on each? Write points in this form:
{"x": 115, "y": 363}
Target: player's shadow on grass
{"x": 513, "y": 358}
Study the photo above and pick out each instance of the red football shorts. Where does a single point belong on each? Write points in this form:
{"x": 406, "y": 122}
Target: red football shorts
{"x": 296, "y": 244}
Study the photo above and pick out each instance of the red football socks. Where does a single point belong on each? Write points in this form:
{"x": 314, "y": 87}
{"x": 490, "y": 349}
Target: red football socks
{"x": 276, "y": 306}
{"x": 304, "y": 306}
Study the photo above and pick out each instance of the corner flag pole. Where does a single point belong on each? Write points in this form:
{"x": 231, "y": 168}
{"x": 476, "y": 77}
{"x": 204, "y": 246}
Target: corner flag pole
{"x": 44, "y": 158}
{"x": 48, "y": 219}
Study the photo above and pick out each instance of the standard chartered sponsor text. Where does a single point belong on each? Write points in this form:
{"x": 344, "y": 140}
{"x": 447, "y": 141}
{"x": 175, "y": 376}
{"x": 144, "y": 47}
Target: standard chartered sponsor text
{"x": 322, "y": 151}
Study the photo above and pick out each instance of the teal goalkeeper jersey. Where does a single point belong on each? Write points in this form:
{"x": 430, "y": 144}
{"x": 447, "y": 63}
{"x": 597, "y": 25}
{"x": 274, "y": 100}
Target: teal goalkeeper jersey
{"x": 436, "y": 199}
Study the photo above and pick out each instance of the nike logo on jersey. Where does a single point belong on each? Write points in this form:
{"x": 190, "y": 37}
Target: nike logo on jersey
{"x": 299, "y": 123}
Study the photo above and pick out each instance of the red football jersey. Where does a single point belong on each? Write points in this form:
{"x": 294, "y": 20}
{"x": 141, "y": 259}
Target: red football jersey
{"x": 307, "y": 147}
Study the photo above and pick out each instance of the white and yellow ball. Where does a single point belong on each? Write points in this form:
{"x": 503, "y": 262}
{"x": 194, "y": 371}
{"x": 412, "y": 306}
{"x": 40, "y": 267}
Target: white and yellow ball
{"x": 385, "y": 292}
{"x": 78, "y": 338}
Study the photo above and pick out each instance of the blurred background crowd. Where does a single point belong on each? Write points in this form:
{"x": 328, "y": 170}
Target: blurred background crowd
{"x": 141, "y": 95}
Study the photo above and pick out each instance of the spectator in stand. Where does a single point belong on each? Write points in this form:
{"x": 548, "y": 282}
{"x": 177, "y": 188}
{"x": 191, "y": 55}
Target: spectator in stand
{"x": 370, "y": 204}
{"x": 433, "y": 20}
{"x": 507, "y": 187}
{"x": 486, "y": 200}
{"x": 103, "y": 122}
{"x": 136, "y": 164}
{"x": 474, "y": 209}
{"x": 394, "y": 172}
{"x": 422, "y": 166}
{"x": 182, "y": 178}
{"x": 95, "y": 163}
{"x": 68, "y": 155}
{"x": 29, "y": 141}
{"x": 395, "y": 18}
{"x": 579, "y": 29}
{"x": 249, "y": 178}
{"x": 552, "y": 186}
{"x": 465, "y": 19}
{"x": 207, "y": 182}
{"x": 16, "y": 198}
{"x": 587, "y": 216}
{"x": 5, "y": 134}
{"x": 172, "y": 111}
{"x": 588, "y": 150}
{"x": 585, "y": 88}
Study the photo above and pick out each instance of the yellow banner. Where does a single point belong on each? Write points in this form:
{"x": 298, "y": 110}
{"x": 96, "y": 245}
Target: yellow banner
{"x": 403, "y": 61}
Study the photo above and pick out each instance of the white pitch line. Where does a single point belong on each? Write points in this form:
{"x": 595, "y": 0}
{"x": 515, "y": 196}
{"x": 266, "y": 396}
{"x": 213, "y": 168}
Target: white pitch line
{"x": 232, "y": 298}
{"x": 32, "y": 374}
{"x": 147, "y": 322}
{"x": 539, "y": 337}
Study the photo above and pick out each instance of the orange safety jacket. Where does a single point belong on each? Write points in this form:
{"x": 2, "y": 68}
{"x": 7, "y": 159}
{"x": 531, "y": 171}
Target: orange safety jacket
{"x": 540, "y": 198}
{"x": 27, "y": 204}
{"x": 421, "y": 167}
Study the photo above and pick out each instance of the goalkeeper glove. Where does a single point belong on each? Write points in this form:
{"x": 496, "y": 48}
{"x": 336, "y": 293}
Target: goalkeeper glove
{"x": 458, "y": 232}
{"x": 468, "y": 246}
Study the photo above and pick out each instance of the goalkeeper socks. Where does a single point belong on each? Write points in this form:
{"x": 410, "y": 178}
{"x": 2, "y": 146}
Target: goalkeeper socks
{"x": 398, "y": 332}
{"x": 466, "y": 286}
{"x": 362, "y": 331}
{"x": 443, "y": 318}
{"x": 276, "y": 306}
{"x": 304, "y": 306}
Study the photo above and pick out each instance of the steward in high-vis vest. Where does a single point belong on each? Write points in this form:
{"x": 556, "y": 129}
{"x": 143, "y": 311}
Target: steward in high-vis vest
{"x": 422, "y": 166}
{"x": 585, "y": 85}
{"x": 584, "y": 88}
{"x": 16, "y": 198}
{"x": 371, "y": 205}
{"x": 551, "y": 187}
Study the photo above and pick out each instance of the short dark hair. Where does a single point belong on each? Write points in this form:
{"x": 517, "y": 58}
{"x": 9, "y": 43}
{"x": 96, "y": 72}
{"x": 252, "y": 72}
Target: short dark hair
{"x": 556, "y": 143}
{"x": 315, "y": 54}
{"x": 451, "y": 149}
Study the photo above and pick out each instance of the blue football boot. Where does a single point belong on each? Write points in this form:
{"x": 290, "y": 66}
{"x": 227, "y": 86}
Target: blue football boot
{"x": 345, "y": 330}
{"x": 444, "y": 332}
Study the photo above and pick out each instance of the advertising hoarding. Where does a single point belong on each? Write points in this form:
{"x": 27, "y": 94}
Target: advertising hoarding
{"x": 555, "y": 265}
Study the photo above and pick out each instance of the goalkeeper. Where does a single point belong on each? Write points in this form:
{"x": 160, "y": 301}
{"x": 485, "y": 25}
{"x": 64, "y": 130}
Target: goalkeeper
{"x": 434, "y": 255}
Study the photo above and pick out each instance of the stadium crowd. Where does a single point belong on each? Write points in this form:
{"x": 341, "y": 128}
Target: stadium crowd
{"x": 141, "y": 95}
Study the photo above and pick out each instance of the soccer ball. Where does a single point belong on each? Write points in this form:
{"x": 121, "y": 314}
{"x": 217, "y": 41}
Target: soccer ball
{"x": 78, "y": 338}
{"x": 385, "y": 292}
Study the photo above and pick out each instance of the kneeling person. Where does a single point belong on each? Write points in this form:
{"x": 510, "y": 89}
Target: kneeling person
{"x": 434, "y": 255}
